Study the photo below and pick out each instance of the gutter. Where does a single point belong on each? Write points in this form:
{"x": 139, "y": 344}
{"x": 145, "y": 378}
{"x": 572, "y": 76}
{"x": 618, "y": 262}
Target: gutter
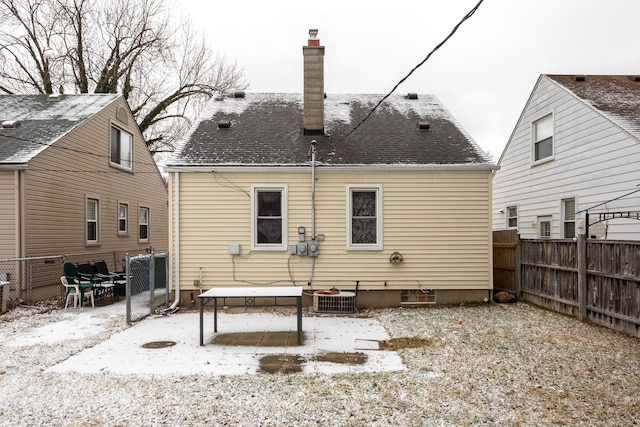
{"x": 292, "y": 168}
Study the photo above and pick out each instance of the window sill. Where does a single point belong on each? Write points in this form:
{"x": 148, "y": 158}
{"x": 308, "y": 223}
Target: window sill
{"x": 365, "y": 248}
{"x": 542, "y": 161}
{"x": 270, "y": 249}
{"x": 120, "y": 167}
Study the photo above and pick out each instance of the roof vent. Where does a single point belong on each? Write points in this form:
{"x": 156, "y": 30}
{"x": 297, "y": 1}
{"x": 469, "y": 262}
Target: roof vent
{"x": 238, "y": 94}
{"x": 424, "y": 125}
{"x": 224, "y": 124}
{"x": 10, "y": 124}
{"x": 635, "y": 78}
{"x": 579, "y": 78}
{"x": 412, "y": 95}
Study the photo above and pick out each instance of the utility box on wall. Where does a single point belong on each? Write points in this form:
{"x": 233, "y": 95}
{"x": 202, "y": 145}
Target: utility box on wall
{"x": 313, "y": 248}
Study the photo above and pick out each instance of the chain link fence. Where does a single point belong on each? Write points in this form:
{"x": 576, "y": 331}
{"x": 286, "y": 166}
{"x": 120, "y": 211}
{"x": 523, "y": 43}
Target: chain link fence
{"x": 36, "y": 280}
{"x": 146, "y": 286}
{"x": 30, "y": 280}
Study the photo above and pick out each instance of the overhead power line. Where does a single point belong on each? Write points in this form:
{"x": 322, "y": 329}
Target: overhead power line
{"x": 438, "y": 46}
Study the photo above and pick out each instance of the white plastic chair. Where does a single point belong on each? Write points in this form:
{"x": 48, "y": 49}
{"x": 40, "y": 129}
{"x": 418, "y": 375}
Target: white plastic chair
{"x": 73, "y": 291}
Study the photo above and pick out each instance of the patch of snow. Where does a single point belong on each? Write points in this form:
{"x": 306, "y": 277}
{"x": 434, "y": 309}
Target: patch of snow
{"x": 489, "y": 364}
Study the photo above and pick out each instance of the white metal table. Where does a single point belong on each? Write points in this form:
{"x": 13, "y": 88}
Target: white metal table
{"x": 250, "y": 295}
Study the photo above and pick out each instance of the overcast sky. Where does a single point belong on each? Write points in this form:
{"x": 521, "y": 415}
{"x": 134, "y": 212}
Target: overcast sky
{"x": 483, "y": 74}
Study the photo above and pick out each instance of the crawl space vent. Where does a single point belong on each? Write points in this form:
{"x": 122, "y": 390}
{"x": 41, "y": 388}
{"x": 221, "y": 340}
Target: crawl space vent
{"x": 339, "y": 302}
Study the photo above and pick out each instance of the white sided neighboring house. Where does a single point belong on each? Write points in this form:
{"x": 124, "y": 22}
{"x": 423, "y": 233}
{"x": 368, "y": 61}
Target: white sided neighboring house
{"x": 574, "y": 150}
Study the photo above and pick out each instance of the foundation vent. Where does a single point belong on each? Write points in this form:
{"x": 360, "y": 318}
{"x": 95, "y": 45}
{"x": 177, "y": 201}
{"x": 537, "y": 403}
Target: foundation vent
{"x": 334, "y": 302}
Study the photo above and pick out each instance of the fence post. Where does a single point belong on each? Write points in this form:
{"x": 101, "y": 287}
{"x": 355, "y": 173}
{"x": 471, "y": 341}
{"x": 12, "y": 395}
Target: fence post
{"x": 152, "y": 282}
{"x": 518, "y": 267}
{"x": 582, "y": 276}
{"x": 127, "y": 287}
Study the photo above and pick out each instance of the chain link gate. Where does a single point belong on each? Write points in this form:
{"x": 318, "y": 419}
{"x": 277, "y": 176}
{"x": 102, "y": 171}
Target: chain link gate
{"x": 146, "y": 285}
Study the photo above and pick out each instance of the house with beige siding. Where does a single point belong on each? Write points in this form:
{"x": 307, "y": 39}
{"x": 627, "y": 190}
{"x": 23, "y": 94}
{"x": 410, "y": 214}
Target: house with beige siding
{"x": 77, "y": 178}
{"x": 327, "y": 192}
{"x": 574, "y": 151}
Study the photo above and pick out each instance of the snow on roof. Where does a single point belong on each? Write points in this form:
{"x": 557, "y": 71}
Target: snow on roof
{"x": 266, "y": 129}
{"x": 41, "y": 120}
{"x": 615, "y": 97}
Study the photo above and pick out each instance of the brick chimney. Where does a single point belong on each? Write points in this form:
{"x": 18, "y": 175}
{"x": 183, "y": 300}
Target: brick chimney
{"x": 313, "y": 101}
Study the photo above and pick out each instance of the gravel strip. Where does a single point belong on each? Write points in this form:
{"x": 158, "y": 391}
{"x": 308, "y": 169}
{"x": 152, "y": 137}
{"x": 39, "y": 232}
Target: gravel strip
{"x": 481, "y": 365}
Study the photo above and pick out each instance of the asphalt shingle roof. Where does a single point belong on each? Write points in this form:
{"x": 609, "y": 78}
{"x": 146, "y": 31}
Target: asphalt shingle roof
{"x": 266, "y": 129}
{"x": 42, "y": 121}
{"x": 616, "y": 97}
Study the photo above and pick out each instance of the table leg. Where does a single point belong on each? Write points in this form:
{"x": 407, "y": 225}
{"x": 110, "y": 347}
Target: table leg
{"x": 299, "y": 304}
{"x": 215, "y": 314}
{"x": 201, "y": 322}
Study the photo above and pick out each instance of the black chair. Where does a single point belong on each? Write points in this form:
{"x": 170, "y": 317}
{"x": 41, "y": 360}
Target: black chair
{"x": 102, "y": 286}
{"x": 117, "y": 280}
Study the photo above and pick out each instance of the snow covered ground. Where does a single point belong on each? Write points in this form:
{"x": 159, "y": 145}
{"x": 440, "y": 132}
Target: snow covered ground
{"x": 480, "y": 365}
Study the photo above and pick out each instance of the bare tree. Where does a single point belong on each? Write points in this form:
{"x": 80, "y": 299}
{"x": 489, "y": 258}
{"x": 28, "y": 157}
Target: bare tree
{"x": 163, "y": 68}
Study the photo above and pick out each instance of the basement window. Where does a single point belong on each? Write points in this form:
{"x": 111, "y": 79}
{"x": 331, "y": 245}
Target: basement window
{"x": 418, "y": 296}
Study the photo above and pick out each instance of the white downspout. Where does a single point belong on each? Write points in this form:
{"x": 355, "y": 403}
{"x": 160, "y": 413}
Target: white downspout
{"x": 313, "y": 205}
{"x": 176, "y": 237}
{"x": 313, "y": 189}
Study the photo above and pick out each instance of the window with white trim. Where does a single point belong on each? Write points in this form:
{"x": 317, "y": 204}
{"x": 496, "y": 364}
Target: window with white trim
{"x": 569, "y": 218}
{"x": 92, "y": 220}
{"x": 269, "y": 217}
{"x": 143, "y": 224}
{"x": 123, "y": 217}
{"x": 121, "y": 147}
{"x": 543, "y": 138}
{"x": 544, "y": 227}
{"x": 512, "y": 217}
{"x": 364, "y": 217}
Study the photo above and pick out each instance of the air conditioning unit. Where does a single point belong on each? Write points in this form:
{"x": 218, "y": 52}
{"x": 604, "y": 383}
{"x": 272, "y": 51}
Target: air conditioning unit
{"x": 334, "y": 302}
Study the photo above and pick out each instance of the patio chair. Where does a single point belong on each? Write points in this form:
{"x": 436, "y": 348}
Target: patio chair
{"x": 74, "y": 277}
{"x": 119, "y": 279}
{"x": 71, "y": 291}
{"x": 107, "y": 280}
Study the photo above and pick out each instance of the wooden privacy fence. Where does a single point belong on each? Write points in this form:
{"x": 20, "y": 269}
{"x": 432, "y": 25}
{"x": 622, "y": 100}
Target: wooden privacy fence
{"x": 597, "y": 280}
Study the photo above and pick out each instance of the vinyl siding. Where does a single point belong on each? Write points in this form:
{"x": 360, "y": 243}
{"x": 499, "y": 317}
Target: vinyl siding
{"x": 8, "y": 214}
{"x": 439, "y": 221}
{"x": 594, "y": 161}
{"x": 77, "y": 166}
